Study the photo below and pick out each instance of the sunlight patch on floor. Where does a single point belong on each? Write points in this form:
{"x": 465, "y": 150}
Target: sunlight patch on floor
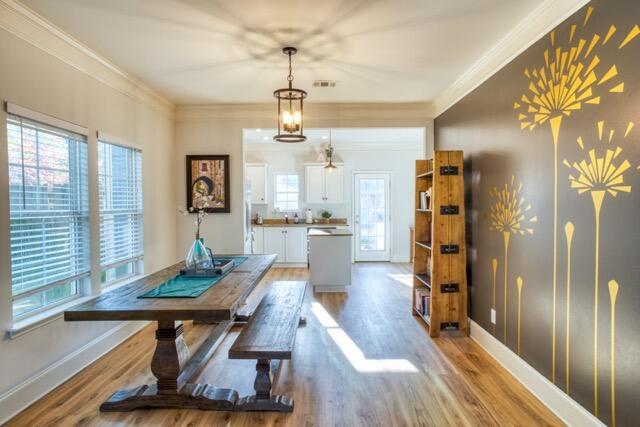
{"x": 405, "y": 279}
{"x": 353, "y": 353}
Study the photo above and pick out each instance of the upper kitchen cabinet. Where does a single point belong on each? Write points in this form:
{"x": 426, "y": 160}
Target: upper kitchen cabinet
{"x": 322, "y": 186}
{"x": 256, "y": 176}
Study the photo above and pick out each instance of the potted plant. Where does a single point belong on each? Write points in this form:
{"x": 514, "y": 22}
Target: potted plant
{"x": 326, "y": 215}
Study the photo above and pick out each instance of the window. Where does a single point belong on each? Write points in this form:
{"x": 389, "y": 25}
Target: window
{"x": 120, "y": 195}
{"x": 49, "y": 214}
{"x": 287, "y": 192}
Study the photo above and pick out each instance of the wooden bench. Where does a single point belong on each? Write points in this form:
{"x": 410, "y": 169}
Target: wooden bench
{"x": 270, "y": 334}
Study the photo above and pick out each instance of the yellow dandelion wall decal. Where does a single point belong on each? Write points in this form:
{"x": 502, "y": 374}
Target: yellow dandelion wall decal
{"x": 600, "y": 173}
{"x": 509, "y": 215}
{"x": 571, "y": 77}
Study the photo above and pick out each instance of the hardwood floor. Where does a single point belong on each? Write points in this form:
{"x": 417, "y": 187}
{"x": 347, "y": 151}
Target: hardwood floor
{"x": 361, "y": 360}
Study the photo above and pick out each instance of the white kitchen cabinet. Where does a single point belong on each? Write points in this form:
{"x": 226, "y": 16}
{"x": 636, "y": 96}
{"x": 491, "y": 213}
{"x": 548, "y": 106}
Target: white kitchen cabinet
{"x": 334, "y": 185}
{"x": 258, "y": 240}
{"x": 322, "y": 186}
{"x": 274, "y": 242}
{"x": 289, "y": 243}
{"x": 296, "y": 244}
{"x": 314, "y": 184}
{"x": 256, "y": 176}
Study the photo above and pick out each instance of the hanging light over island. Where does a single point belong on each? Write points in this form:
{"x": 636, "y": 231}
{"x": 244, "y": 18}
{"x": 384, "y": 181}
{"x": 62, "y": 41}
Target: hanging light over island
{"x": 329, "y": 153}
{"x": 290, "y": 107}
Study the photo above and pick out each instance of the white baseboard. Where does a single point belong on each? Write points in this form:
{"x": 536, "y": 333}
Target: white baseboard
{"x": 24, "y": 394}
{"x": 400, "y": 258}
{"x": 567, "y": 409}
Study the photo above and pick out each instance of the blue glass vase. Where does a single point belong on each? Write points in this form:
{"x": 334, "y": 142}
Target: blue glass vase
{"x": 199, "y": 257}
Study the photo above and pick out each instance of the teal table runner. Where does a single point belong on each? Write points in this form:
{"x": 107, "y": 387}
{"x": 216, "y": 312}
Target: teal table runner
{"x": 188, "y": 287}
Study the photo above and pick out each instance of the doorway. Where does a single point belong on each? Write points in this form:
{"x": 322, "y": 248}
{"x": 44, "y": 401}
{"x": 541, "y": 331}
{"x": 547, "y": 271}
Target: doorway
{"x": 372, "y": 222}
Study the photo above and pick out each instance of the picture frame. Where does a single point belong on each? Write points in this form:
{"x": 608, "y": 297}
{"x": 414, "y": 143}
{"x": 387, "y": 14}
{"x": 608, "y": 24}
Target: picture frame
{"x": 208, "y": 183}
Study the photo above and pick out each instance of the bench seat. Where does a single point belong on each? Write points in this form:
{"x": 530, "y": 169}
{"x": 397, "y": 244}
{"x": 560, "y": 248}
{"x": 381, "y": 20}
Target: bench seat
{"x": 270, "y": 334}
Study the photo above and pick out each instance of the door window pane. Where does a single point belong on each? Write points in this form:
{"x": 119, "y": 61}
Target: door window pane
{"x": 372, "y": 214}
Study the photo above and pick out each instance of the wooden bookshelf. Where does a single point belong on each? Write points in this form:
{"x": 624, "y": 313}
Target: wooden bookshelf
{"x": 439, "y": 264}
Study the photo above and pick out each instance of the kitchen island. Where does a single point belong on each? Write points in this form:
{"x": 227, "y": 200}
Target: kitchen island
{"x": 330, "y": 259}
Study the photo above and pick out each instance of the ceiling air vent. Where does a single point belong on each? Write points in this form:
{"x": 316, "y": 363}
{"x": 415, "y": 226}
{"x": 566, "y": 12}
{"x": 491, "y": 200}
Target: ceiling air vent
{"x": 324, "y": 83}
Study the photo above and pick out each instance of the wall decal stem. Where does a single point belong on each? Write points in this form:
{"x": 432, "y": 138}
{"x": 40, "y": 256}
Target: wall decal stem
{"x": 597, "y": 197}
{"x": 568, "y": 232}
{"x": 555, "y": 124}
{"x": 506, "y": 235}
{"x": 494, "y": 267}
{"x": 613, "y": 294}
{"x": 519, "y": 284}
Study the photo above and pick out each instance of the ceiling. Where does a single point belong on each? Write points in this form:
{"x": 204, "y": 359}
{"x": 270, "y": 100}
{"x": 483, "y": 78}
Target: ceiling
{"x": 216, "y": 51}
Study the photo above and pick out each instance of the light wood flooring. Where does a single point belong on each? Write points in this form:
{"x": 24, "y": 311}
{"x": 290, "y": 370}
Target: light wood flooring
{"x": 361, "y": 360}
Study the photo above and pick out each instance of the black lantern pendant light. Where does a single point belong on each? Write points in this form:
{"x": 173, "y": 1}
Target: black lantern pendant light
{"x": 290, "y": 108}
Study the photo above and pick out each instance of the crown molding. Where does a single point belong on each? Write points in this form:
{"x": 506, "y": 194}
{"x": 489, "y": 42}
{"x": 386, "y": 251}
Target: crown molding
{"x": 340, "y": 147}
{"x": 27, "y": 25}
{"x": 386, "y": 114}
{"x": 545, "y": 17}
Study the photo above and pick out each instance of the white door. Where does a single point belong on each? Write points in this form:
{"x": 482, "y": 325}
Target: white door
{"x": 314, "y": 184}
{"x": 296, "y": 242}
{"x": 334, "y": 185}
{"x": 274, "y": 239}
{"x": 371, "y": 217}
{"x": 256, "y": 176}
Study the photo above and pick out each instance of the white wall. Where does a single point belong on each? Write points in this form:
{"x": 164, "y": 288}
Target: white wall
{"x": 400, "y": 163}
{"x": 217, "y": 129}
{"x": 49, "y": 75}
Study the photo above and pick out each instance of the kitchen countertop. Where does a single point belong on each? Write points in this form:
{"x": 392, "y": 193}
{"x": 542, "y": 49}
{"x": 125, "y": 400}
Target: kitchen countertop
{"x": 329, "y": 233}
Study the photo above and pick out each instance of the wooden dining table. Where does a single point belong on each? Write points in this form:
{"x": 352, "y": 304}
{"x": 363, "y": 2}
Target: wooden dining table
{"x": 173, "y": 364}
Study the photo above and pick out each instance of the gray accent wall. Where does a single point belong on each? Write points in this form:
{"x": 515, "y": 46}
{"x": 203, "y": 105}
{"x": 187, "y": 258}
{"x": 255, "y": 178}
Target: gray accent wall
{"x": 511, "y": 198}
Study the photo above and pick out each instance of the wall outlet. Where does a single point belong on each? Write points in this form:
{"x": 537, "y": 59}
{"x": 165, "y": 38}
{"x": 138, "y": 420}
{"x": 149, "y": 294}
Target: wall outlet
{"x": 493, "y": 316}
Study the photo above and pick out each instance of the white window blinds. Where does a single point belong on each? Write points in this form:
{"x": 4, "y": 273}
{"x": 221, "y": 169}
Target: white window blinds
{"x": 120, "y": 191}
{"x": 49, "y": 213}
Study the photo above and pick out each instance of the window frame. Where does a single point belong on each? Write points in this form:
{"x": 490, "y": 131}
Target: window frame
{"x": 276, "y": 192}
{"x": 80, "y": 281}
{"x": 137, "y": 262}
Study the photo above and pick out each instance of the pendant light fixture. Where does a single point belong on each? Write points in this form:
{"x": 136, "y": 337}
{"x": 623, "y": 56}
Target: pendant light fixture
{"x": 290, "y": 108}
{"x": 329, "y": 154}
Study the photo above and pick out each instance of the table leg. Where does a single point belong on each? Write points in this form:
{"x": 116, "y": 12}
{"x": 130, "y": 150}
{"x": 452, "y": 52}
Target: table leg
{"x": 263, "y": 400}
{"x": 169, "y": 360}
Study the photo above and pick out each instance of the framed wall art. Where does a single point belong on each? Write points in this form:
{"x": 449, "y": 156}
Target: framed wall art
{"x": 208, "y": 185}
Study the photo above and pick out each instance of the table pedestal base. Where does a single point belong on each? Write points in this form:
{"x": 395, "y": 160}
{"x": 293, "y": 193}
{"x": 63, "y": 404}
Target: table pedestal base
{"x": 275, "y": 403}
{"x": 174, "y": 367}
{"x": 192, "y": 396}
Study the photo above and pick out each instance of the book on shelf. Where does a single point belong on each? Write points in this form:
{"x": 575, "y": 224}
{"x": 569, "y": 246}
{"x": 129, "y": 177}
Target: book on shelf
{"x": 425, "y": 199}
{"x": 422, "y": 301}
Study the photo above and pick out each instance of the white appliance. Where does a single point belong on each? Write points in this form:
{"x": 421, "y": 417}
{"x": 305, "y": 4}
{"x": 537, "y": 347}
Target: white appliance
{"x": 248, "y": 226}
